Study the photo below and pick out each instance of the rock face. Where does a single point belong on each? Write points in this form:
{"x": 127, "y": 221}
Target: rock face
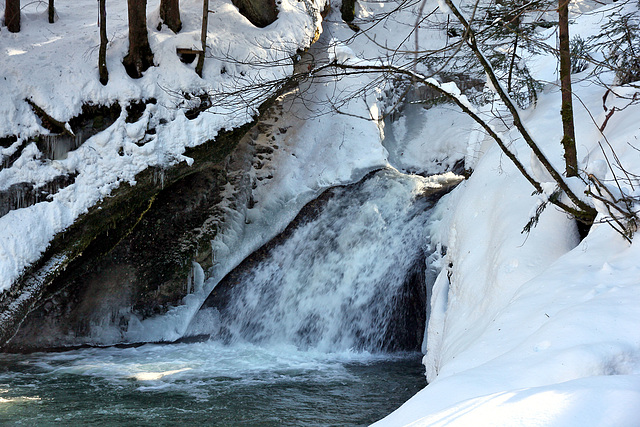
{"x": 129, "y": 256}
{"x": 259, "y": 12}
{"x": 142, "y": 275}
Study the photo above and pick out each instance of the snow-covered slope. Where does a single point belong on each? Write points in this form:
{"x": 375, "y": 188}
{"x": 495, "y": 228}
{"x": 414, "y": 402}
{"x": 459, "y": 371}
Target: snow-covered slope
{"x": 541, "y": 328}
{"x": 529, "y": 329}
{"x": 55, "y": 67}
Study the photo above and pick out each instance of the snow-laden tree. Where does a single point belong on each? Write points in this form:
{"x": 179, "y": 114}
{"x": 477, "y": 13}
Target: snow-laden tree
{"x": 506, "y": 29}
{"x": 619, "y": 42}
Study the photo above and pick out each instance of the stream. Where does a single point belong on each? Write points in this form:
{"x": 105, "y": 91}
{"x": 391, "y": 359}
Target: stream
{"x": 204, "y": 383}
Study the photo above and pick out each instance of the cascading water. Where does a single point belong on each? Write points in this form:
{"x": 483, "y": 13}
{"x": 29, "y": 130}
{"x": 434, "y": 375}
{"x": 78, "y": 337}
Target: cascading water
{"x": 350, "y": 277}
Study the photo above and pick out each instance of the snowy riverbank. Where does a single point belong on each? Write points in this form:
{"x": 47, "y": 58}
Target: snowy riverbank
{"x": 540, "y": 328}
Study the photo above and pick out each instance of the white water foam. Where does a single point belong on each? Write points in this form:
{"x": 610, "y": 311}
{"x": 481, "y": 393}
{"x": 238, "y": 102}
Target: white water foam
{"x": 334, "y": 283}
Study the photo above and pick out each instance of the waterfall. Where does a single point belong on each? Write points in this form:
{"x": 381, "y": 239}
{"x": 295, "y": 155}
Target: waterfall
{"x": 347, "y": 274}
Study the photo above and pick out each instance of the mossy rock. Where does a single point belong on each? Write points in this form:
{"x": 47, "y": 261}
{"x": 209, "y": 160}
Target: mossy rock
{"x": 130, "y": 254}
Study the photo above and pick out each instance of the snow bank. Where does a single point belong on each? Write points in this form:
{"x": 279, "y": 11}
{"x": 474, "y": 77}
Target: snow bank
{"x": 55, "y": 66}
{"x": 536, "y": 329}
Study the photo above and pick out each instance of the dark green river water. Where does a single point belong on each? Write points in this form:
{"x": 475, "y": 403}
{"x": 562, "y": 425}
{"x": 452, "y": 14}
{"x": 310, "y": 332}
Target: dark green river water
{"x": 204, "y": 384}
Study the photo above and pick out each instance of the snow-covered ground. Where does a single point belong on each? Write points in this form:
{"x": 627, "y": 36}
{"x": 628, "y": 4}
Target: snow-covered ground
{"x": 55, "y": 67}
{"x": 525, "y": 329}
{"x": 540, "y": 328}
{"x": 537, "y": 329}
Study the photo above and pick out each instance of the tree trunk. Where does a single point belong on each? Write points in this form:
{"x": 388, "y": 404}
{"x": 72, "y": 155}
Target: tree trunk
{"x": 513, "y": 62}
{"x": 568, "y": 137}
{"x": 52, "y": 12}
{"x": 170, "y": 14}
{"x": 140, "y": 56}
{"x": 348, "y": 10}
{"x": 203, "y": 36}
{"x": 12, "y": 15}
{"x": 102, "y": 54}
